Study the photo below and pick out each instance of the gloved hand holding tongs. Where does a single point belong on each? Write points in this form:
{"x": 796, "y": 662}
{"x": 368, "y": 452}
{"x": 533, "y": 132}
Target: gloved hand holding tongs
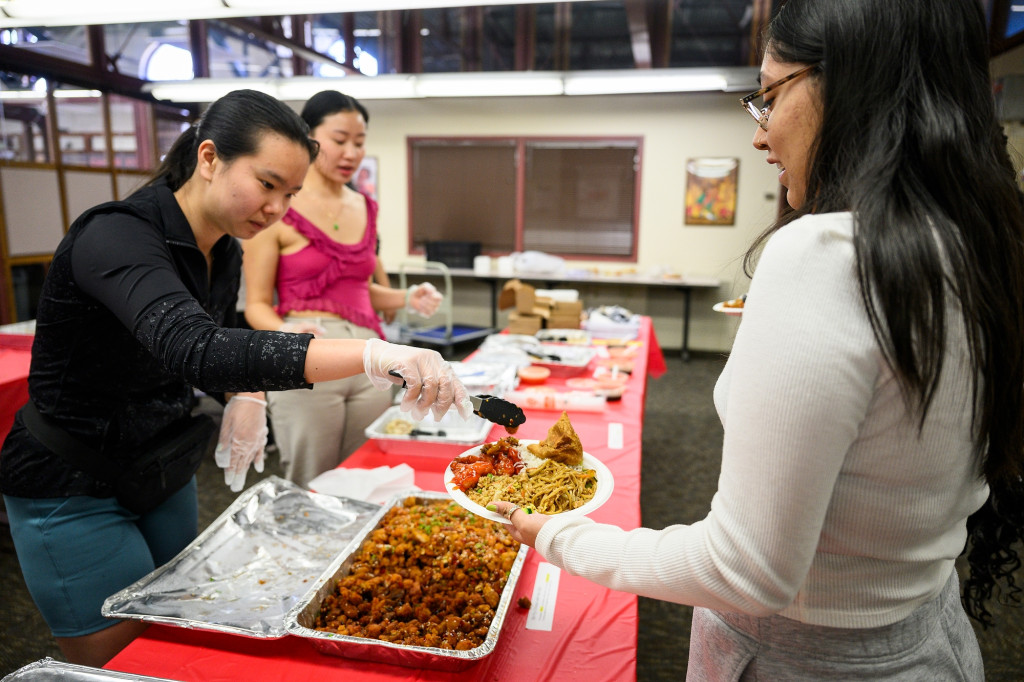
{"x": 491, "y": 408}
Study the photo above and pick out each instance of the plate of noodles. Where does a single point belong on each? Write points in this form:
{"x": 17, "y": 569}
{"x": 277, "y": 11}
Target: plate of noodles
{"x": 536, "y": 483}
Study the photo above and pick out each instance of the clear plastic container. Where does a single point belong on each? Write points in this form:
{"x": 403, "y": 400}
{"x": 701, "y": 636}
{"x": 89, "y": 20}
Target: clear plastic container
{"x": 578, "y": 401}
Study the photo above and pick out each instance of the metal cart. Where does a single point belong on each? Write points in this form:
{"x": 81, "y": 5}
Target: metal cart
{"x": 445, "y": 335}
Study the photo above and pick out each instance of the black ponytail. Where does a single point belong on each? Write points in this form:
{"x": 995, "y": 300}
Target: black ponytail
{"x": 235, "y": 124}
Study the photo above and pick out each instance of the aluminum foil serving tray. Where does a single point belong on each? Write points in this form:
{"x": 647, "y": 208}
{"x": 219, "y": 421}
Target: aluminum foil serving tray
{"x": 251, "y": 566}
{"x": 300, "y": 619}
{"x": 47, "y": 670}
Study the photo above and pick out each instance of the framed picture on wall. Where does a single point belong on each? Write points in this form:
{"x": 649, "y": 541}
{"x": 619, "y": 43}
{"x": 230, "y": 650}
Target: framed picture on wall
{"x": 711, "y": 191}
{"x": 365, "y": 179}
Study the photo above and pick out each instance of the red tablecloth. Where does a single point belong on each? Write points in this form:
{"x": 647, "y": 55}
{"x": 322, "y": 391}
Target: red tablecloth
{"x": 15, "y": 355}
{"x": 594, "y": 638}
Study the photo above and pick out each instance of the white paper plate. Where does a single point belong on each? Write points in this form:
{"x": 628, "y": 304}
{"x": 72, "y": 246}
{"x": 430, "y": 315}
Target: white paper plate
{"x": 720, "y": 308}
{"x": 605, "y": 485}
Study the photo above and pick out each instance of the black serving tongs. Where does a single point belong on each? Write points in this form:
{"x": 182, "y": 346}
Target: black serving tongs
{"x": 491, "y": 408}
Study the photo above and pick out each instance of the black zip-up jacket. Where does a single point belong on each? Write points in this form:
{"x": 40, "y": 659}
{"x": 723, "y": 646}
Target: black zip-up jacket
{"x": 129, "y": 321}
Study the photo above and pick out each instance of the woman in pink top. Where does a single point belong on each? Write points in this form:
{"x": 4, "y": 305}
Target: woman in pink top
{"x": 319, "y": 261}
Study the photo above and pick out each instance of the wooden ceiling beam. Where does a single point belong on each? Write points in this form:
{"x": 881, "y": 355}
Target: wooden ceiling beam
{"x": 762, "y": 14}
{"x": 562, "y": 52}
{"x": 472, "y": 38}
{"x": 525, "y": 37}
{"x": 639, "y": 33}
{"x": 72, "y": 73}
{"x": 274, "y": 36}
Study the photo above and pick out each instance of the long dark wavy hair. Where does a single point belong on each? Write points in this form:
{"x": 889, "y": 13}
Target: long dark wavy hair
{"x": 236, "y": 123}
{"x": 910, "y": 144}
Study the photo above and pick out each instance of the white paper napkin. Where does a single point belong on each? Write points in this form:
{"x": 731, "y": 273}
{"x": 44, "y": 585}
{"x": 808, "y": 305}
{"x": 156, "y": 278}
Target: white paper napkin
{"x": 371, "y": 485}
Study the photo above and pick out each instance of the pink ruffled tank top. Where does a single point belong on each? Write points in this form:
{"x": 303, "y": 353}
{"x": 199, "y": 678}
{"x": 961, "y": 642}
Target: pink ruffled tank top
{"x": 329, "y": 276}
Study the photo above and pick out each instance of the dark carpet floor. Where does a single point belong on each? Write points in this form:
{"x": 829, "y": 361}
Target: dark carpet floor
{"x": 681, "y": 457}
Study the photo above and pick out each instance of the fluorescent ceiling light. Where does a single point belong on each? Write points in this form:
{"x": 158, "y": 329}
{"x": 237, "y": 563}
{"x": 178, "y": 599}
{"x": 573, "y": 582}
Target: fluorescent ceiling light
{"x": 14, "y": 13}
{"x": 40, "y": 96}
{"x": 389, "y": 86}
{"x": 206, "y": 89}
{"x": 653, "y": 80}
{"x": 489, "y": 84}
{"x": 474, "y": 84}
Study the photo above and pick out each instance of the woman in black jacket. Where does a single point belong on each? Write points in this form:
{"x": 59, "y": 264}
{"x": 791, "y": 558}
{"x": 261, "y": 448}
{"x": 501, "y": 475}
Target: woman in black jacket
{"x": 138, "y": 308}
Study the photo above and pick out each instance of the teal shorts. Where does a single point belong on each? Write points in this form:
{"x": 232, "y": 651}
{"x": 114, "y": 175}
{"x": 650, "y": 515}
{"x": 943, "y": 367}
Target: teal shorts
{"x": 77, "y": 551}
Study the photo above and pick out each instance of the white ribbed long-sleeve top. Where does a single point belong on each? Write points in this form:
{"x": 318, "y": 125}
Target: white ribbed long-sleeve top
{"x": 832, "y": 508}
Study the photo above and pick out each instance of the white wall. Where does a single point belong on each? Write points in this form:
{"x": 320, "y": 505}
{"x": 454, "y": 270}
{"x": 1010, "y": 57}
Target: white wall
{"x": 674, "y": 128}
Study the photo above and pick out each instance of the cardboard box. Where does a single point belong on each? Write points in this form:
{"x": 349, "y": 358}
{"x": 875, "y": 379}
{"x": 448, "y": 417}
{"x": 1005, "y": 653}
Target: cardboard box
{"x": 541, "y": 311}
{"x": 525, "y": 299}
{"x": 563, "y": 322}
{"x": 519, "y": 323}
{"x": 567, "y": 308}
{"x": 517, "y": 294}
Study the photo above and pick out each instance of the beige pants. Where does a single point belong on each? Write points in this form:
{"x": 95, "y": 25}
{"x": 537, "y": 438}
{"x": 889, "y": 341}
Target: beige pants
{"x": 316, "y": 430}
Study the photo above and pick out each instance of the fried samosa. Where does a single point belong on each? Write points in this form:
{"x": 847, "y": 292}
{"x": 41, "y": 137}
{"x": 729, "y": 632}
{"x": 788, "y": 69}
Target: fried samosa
{"x": 561, "y": 445}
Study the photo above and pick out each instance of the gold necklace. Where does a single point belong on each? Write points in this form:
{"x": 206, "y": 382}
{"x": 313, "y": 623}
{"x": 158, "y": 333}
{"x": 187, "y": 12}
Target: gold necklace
{"x": 334, "y": 219}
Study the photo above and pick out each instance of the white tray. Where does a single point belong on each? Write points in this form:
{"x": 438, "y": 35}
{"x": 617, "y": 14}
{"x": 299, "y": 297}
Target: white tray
{"x": 459, "y": 434}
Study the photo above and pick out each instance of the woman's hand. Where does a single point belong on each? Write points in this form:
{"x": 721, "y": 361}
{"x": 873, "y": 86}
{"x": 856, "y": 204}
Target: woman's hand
{"x": 524, "y": 527}
{"x": 243, "y": 437}
{"x": 431, "y": 384}
{"x": 423, "y": 299}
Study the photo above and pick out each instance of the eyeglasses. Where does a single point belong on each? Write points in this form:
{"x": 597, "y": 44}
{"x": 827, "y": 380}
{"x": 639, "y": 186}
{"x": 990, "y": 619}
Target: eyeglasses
{"x": 760, "y": 114}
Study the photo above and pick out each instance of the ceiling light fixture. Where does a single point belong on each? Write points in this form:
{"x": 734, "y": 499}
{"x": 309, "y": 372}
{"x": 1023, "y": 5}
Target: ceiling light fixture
{"x": 470, "y": 84}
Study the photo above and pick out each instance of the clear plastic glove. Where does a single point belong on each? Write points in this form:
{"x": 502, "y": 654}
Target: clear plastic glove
{"x": 303, "y": 328}
{"x": 423, "y": 299}
{"x": 243, "y": 437}
{"x": 431, "y": 384}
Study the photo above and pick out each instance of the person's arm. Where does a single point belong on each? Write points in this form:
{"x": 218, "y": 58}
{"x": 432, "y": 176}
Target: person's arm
{"x": 386, "y": 299}
{"x": 422, "y": 298}
{"x": 139, "y": 284}
{"x": 799, "y": 381}
{"x": 259, "y": 266}
{"x": 380, "y": 274}
{"x": 380, "y": 277}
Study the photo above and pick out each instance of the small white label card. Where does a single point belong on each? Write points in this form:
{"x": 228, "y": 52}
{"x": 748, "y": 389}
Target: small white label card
{"x": 545, "y": 594}
{"x": 614, "y": 436}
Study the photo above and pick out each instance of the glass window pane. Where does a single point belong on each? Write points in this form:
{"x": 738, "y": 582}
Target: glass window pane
{"x": 24, "y": 130}
{"x": 234, "y": 53}
{"x": 133, "y": 46}
{"x": 600, "y": 37}
{"x": 441, "y": 37}
{"x": 328, "y": 38}
{"x": 80, "y": 125}
{"x": 131, "y": 132}
{"x": 170, "y": 123}
{"x": 63, "y": 42}
{"x": 369, "y": 50}
{"x": 579, "y": 199}
{"x": 464, "y": 192}
{"x": 544, "y": 38}
{"x": 704, "y": 33}
{"x": 499, "y": 40}
{"x": 27, "y": 283}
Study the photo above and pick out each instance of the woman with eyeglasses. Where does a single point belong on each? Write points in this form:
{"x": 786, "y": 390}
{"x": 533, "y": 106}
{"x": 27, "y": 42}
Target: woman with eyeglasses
{"x": 872, "y": 402}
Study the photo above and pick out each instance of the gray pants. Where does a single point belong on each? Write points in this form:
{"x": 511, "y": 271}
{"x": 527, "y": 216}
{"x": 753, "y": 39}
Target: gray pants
{"x": 934, "y": 643}
{"x": 316, "y": 430}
